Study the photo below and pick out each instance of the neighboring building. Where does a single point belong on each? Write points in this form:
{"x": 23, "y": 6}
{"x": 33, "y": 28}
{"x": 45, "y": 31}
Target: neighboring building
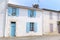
{"x": 3, "y": 4}
{"x": 27, "y": 21}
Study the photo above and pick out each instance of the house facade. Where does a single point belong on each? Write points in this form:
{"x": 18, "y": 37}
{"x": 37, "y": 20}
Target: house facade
{"x": 28, "y": 21}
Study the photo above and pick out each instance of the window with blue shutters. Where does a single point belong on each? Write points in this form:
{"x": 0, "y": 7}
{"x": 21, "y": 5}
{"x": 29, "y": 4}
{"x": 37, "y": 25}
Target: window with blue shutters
{"x": 13, "y": 11}
{"x": 31, "y": 13}
{"x": 31, "y": 26}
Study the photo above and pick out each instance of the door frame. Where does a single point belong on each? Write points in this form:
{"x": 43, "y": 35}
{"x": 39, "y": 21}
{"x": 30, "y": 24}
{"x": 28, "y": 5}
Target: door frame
{"x": 58, "y": 26}
{"x": 12, "y": 28}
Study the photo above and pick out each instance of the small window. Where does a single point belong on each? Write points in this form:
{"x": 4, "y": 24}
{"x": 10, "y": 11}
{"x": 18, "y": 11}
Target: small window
{"x": 58, "y": 15}
{"x": 51, "y": 15}
{"x": 31, "y": 13}
{"x": 13, "y": 11}
{"x": 31, "y": 26}
{"x": 13, "y": 22}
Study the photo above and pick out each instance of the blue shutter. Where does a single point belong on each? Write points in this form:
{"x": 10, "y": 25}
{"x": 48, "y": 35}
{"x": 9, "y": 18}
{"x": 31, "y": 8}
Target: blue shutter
{"x": 9, "y": 11}
{"x": 17, "y": 11}
{"x": 29, "y": 13}
{"x": 34, "y": 13}
{"x": 28, "y": 27}
{"x": 35, "y": 27}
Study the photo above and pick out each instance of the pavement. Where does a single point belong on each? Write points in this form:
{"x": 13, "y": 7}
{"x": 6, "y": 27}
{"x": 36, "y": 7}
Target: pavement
{"x": 54, "y": 37}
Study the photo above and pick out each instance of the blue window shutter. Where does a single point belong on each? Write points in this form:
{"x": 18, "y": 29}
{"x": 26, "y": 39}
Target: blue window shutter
{"x": 29, "y": 13}
{"x": 28, "y": 27}
{"x": 17, "y": 11}
{"x": 35, "y": 27}
{"x": 9, "y": 11}
{"x": 34, "y": 13}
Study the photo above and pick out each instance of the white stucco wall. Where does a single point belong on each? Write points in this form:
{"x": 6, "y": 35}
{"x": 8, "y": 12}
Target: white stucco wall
{"x": 42, "y": 19}
{"x": 1, "y": 24}
{"x": 21, "y": 21}
{"x": 3, "y": 4}
{"x": 47, "y": 21}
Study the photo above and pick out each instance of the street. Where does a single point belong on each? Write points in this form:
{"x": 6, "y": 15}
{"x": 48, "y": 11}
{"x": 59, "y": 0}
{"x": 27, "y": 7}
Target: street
{"x": 56, "y": 37}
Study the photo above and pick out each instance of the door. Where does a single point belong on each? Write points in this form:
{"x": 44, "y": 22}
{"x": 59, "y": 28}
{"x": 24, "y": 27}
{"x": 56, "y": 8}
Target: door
{"x": 51, "y": 27}
{"x": 13, "y": 29}
{"x": 58, "y": 26}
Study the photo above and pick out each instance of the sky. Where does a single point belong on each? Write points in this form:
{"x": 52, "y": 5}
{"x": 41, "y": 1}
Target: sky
{"x": 48, "y": 4}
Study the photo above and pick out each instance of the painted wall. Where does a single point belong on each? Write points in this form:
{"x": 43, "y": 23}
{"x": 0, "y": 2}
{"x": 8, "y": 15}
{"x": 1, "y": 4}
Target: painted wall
{"x": 1, "y": 24}
{"x": 47, "y": 21}
{"x": 3, "y": 4}
{"x": 42, "y": 19}
{"x": 21, "y": 21}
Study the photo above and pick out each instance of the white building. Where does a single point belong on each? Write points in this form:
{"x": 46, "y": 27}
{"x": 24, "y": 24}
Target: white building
{"x": 3, "y": 5}
{"x": 27, "y": 21}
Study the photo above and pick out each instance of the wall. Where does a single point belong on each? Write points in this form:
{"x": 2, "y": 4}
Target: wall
{"x": 42, "y": 19}
{"x": 3, "y": 4}
{"x": 21, "y": 21}
{"x": 1, "y": 24}
{"x": 47, "y": 21}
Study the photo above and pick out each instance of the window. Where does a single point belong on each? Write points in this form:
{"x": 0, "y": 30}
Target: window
{"x": 31, "y": 13}
{"x": 51, "y": 15}
{"x": 31, "y": 26}
{"x": 51, "y": 27}
{"x": 13, "y": 22}
{"x": 58, "y": 15}
{"x": 13, "y": 11}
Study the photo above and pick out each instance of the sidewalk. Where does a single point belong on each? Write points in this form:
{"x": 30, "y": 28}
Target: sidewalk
{"x": 55, "y": 37}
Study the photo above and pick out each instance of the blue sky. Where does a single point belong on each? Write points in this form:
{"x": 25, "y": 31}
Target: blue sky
{"x": 49, "y": 4}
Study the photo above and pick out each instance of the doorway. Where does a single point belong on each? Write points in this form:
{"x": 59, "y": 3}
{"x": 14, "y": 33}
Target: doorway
{"x": 13, "y": 29}
{"x": 58, "y": 26}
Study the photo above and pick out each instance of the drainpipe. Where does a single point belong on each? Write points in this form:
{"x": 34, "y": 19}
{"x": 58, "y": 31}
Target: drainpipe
{"x": 42, "y": 23}
{"x": 5, "y": 10}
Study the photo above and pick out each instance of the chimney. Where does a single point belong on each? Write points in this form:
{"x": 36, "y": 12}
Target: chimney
{"x": 36, "y": 6}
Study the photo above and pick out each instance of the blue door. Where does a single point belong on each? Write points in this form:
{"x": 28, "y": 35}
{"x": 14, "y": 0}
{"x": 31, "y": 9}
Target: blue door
{"x": 13, "y": 29}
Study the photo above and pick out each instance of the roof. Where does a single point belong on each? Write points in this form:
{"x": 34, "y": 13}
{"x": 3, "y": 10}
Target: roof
{"x": 25, "y": 7}
{"x": 51, "y": 10}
